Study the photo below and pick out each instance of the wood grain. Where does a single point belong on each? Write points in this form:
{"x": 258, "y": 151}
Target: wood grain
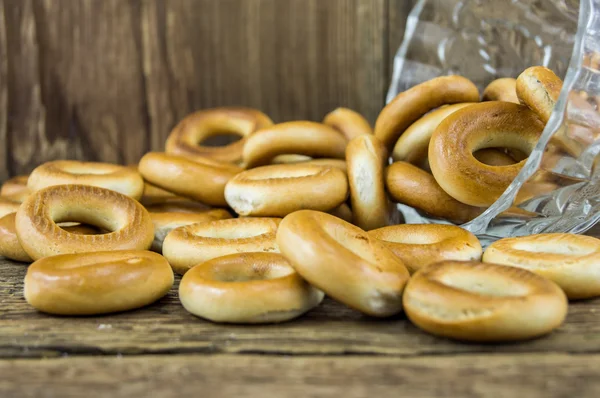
{"x": 331, "y": 329}
{"x": 3, "y": 96}
{"x": 498, "y": 375}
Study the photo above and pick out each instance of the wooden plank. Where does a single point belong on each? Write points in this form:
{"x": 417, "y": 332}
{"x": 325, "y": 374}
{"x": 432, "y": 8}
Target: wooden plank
{"x": 398, "y": 11}
{"x": 3, "y": 96}
{"x": 165, "y": 327}
{"x": 531, "y": 376}
{"x": 293, "y": 59}
{"x": 75, "y": 83}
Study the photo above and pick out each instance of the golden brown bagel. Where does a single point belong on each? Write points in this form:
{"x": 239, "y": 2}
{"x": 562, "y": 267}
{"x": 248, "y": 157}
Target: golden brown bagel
{"x": 343, "y": 261}
{"x": 278, "y": 190}
{"x": 343, "y": 211}
{"x": 348, "y": 122}
{"x": 503, "y": 89}
{"x": 571, "y": 261}
{"x": 367, "y": 158}
{"x": 483, "y": 302}
{"x": 307, "y": 161}
{"x": 15, "y": 185}
{"x": 419, "y": 245}
{"x": 493, "y": 157}
{"x": 130, "y": 224}
{"x": 11, "y": 248}
{"x": 8, "y": 206}
{"x": 247, "y": 288}
{"x": 485, "y": 125}
{"x": 155, "y": 195}
{"x": 97, "y": 283}
{"x": 539, "y": 88}
{"x": 168, "y": 221}
{"x": 191, "y": 245}
{"x": 203, "y": 180}
{"x": 413, "y": 144}
{"x": 286, "y": 159}
{"x": 186, "y": 137}
{"x": 413, "y": 103}
{"x": 104, "y": 175}
{"x": 414, "y": 187}
{"x": 301, "y": 137}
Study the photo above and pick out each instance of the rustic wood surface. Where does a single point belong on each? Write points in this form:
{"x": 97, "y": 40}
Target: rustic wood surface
{"x": 107, "y": 79}
{"x": 331, "y": 351}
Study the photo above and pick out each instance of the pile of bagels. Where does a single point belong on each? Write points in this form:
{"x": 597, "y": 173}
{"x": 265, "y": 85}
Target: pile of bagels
{"x": 261, "y": 229}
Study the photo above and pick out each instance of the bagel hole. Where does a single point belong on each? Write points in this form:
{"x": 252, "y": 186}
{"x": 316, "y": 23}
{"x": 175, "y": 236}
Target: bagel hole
{"x": 554, "y": 248}
{"x": 220, "y": 138}
{"x": 484, "y": 284}
{"x": 77, "y": 227}
{"x": 251, "y": 272}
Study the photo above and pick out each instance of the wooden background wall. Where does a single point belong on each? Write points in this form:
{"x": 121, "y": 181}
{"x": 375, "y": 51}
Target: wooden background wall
{"x": 107, "y": 79}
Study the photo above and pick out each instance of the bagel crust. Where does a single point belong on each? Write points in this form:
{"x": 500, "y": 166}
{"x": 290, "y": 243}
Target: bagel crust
{"x": 348, "y": 122}
{"x": 187, "y": 137}
{"x": 503, "y": 89}
{"x": 343, "y": 261}
{"x": 473, "y": 301}
{"x": 118, "y": 178}
{"x": 419, "y": 245}
{"x": 15, "y": 185}
{"x": 278, "y": 190}
{"x": 188, "y": 246}
{"x": 300, "y": 137}
{"x": 247, "y": 288}
{"x": 408, "y": 106}
{"x": 491, "y": 124}
{"x": 97, "y": 283}
{"x": 571, "y": 261}
{"x": 40, "y": 236}
{"x": 8, "y": 206}
{"x": 539, "y": 88}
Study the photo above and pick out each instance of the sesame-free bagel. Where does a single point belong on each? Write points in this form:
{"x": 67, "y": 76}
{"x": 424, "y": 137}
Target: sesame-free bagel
{"x": 97, "y": 283}
{"x": 491, "y": 124}
{"x": 419, "y": 245}
{"x": 300, "y": 137}
{"x": 105, "y": 175}
{"x": 14, "y": 186}
{"x": 348, "y": 122}
{"x": 474, "y": 301}
{"x": 367, "y": 158}
{"x": 408, "y": 106}
{"x": 194, "y": 244}
{"x": 409, "y": 185}
{"x": 503, "y": 89}
{"x": 278, "y": 190}
{"x": 186, "y": 138}
{"x": 8, "y": 206}
{"x": 36, "y": 221}
{"x": 199, "y": 179}
{"x": 343, "y": 261}
{"x": 571, "y": 261}
{"x": 247, "y": 288}
{"x": 539, "y": 88}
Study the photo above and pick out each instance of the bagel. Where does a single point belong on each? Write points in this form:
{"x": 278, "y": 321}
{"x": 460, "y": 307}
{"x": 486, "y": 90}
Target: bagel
{"x": 154, "y": 195}
{"x": 11, "y": 248}
{"x": 165, "y": 222}
{"x": 413, "y": 144}
{"x": 474, "y": 301}
{"x": 191, "y": 245}
{"x": 186, "y": 137}
{"x": 484, "y": 125}
{"x": 203, "y": 180}
{"x": 419, "y": 245}
{"x": 301, "y": 137}
{"x": 409, "y": 185}
{"x": 130, "y": 224}
{"x": 408, "y": 106}
{"x": 286, "y": 159}
{"x": 343, "y": 261}
{"x": 539, "y": 88}
{"x": 367, "y": 158}
{"x": 307, "y": 161}
{"x": 8, "y": 206}
{"x": 104, "y": 175}
{"x": 278, "y": 190}
{"x": 247, "y": 288}
{"x": 348, "y": 122}
{"x": 15, "y": 185}
{"x": 571, "y": 261}
{"x": 503, "y": 89}
{"x": 97, "y": 283}
{"x": 343, "y": 211}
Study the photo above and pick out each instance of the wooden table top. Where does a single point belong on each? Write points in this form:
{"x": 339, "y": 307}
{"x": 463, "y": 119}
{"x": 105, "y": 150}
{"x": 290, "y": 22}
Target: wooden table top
{"x": 333, "y": 351}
